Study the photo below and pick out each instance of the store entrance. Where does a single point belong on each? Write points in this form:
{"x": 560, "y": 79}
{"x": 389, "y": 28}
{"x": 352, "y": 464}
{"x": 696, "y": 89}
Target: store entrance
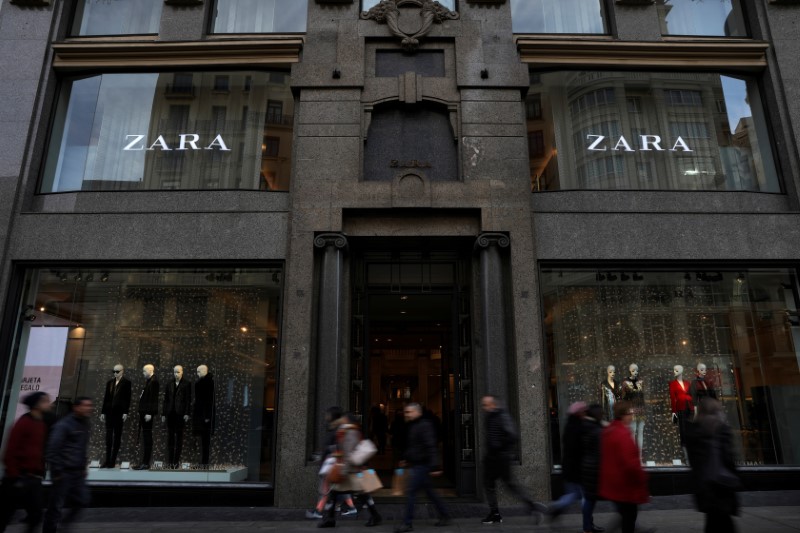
{"x": 411, "y": 343}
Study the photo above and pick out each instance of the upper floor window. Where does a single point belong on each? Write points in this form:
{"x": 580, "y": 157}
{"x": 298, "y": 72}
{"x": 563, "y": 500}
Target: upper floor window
{"x": 260, "y": 16}
{"x": 171, "y": 130}
{"x": 722, "y": 18}
{"x": 558, "y": 16}
{"x": 650, "y": 130}
{"x": 116, "y": 17}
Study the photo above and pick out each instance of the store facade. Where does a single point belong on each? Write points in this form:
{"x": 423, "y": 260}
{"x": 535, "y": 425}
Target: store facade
{"x": 369, "y": 203}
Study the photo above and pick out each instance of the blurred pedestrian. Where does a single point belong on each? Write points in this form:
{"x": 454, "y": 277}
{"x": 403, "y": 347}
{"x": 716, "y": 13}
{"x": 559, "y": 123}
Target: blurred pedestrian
{"x": 592, "y": 429}
{"x": 333, "y": 417}
{"x": 67, "y": 456}
{"x": 422, "y": 458}
{"x": 501, "y": 438}
{"x": 622, "y": 481}
{"x": 24, "y": 464}
{"x": 571, "y": 457}
{"x": 709, "y": 442}
{"x": 398, "y": 432}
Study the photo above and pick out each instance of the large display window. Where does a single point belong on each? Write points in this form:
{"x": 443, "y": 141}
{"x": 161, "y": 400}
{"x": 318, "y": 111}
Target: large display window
{"x": 718, "y": 18}
{"x": 260, "y": 16}
{"x": 172, "y": 130}
{"x": 181, "y": 363}
{"x": 666, "y": 339}
{"x": 649, "y": 130}
{"x": 116, "y": 17}
{"x": 558, "y": 16}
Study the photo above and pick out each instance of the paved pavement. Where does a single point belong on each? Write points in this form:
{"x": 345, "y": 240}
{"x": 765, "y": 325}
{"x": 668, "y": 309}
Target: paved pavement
{"x": 762, "y": 512}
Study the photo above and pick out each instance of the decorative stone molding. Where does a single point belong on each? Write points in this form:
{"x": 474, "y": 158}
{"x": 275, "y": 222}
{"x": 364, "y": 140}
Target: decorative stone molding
{"x": 337, "y": 240}
{"x": 31, "y": 3}
{"x": 748, "y": 56}
{"x": 486, "y": 1}
{"x": 405, "y": 27}
{"x": 635, "y": 2}
{"x": 485, "y": 240}
{"x": 785, "y": 2}
{"x": 184, "y": 3}
{"x": 334, "y": 1}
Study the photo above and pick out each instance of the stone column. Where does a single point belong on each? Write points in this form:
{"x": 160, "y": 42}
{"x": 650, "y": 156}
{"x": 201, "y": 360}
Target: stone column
{"x": 330, "y": 320}
{"x": 494, "y": 310}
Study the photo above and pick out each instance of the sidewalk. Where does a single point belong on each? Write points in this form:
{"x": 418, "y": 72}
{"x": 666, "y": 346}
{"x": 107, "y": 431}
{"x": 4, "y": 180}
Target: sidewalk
{"x": 668, "y": 514}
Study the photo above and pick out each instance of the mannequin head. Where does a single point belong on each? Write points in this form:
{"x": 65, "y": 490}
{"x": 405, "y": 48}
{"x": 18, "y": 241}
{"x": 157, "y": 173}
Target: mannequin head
{"x": 611, "y": 371}
{"x": 634, "y": 370}
{"x": 148, "y": 371}
{"x": 119, "y": 370}
{"x": 202, "y": 371}
{"x": 678, "y": 371}
{"x": 701, "y": 370}
{"x": 177, "y": 372}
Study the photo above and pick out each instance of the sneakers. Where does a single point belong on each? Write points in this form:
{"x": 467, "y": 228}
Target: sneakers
{"x": 350, "y": 511}
{"x": 313, "y": 515}
{"x": 493, "y": 518}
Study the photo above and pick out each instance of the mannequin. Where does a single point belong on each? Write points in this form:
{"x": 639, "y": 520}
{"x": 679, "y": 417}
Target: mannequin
{"x": 681, "y": 401}
{"x": 204, "y": 405}
{"x": 610, "y": 392}
{"x": 148, "y": 408}
{"x": 701, "y": 388}
{"x": 116, "y": 405}
{"x": 177, "y": 402}
{"x": 633, "y": 392}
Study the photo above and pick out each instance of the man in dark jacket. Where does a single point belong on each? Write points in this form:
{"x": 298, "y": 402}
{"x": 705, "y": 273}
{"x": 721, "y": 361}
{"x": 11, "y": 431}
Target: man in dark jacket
{"x": 67, "y": 456}
{"x": 177, "y": 404}
{"x": 148, "y": 409}
{"x": 501, "y": 436}
{"x": 24, "y": 462}
{"x": 116, "y": 405}
{"x": 422, "y": 458}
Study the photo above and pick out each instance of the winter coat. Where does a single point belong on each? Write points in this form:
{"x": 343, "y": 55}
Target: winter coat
{"x": 25, "y": 447}
{"x": 348, "y": 435}
{"x": 67, "y": 445}
{"x": 710, "y": 496}
{"x": 622, "y": 478}
{"x": 177, "y": 399}
{"x": 572, "y": 449}
{"x": 117, "y": 398}
{"x": 148, "y": 399}
{"x": 591, "y": 430}
{"x": 501, "y": 435}
{"x": 421, "y": 445}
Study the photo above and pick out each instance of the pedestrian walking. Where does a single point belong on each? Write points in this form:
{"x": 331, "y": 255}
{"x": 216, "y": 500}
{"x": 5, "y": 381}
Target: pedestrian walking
{"x": 348, "y": 435}
{"x": 571, "y": 457}
{"x": 709, "y": 443}
{"x": 67, "y": 457}
{"x": 592, "y": 428}
{"x": 422, "y": 458}
{"x": 24, "y": 464}
{"x": 622, "y": 481}
{"x": 501, "y": 438}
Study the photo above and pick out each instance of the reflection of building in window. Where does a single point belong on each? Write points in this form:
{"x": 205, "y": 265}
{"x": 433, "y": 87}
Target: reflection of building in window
{"x": 181, "y": 85}
{"x": 536, "y": 143}
{"x": 533, "y": 107}
{"x": 271, "y": 146}
{"x": 222, "y": 83}
{"x": 683, "y": 97}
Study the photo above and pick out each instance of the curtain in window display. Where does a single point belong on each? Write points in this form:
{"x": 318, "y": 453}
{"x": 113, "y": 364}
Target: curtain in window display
{"x": 260, "y": 16}
{"x": 735, "y": 334}
{"x": 117, "y": 17}
{"x": 557, "y": 16}
{"x": 701, "y": 17}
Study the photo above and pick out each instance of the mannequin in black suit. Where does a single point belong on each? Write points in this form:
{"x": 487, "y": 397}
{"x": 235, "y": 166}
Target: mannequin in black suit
{"x": 148, "y": 408}
{"x": 177, "y": 403}
{"x": 203, "y": 418}
{"x": 116, "y": 404}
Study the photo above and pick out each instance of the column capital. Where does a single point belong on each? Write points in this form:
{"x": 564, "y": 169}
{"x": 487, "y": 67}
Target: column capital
{"x": 485, "y": 240}
{"x": 323, "y": 240}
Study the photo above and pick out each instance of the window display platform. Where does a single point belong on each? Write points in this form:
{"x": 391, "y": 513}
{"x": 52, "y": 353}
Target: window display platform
{"x": 228, "y": 475}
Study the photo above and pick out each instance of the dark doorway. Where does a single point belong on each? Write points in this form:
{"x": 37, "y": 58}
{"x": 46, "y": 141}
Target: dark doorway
{"x": 411, "y": 343}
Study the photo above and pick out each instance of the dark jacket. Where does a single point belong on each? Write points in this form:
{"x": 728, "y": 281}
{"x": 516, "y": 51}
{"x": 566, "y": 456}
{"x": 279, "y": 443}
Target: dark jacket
{"x": 421, "y": 444}
{"x": 177, "y": 398}
{"x": 573, "y": 449}
{"x": 67, "y": 445}
{"x": 591, "y": 430}
{"x": 709, "y": 495}
{"x": 501, "y": 435}
{"x": 117, "y": 400}
{"x": 148, "y": 400}
{"x": 204, "y": 399}
{"x": 25, "y": 447}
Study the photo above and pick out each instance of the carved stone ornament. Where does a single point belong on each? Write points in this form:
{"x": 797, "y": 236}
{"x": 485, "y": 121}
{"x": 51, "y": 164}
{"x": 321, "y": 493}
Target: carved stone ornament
{"x": 785, "y": 2}
{"x": 183, "y": 3}
{"x": 406, "y": 26}
{"x": 31, "y": 3}
{"x": 635, "y": 2}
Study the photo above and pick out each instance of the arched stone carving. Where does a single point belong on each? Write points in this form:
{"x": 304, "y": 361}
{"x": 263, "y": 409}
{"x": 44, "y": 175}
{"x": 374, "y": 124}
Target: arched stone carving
{"x": 410, "y": 31}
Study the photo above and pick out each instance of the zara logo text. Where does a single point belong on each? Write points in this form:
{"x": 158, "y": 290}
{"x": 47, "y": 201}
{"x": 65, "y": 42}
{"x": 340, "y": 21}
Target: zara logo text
{"x": 648, "y": 143}
{"x": 187, "y": 141}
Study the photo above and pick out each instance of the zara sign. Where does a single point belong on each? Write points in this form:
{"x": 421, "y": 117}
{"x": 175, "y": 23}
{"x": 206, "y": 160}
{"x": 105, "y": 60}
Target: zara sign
{"x": 186, "y": 141}
{"x": 647, "y": 143}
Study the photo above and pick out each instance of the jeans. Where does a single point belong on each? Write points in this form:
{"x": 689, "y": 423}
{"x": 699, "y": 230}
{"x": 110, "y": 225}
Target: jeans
{"x": 587, "y": 509}
{"x": 69, "y": 488}
{"x": 421, "y": 479}
{"x": 572, "y": 493}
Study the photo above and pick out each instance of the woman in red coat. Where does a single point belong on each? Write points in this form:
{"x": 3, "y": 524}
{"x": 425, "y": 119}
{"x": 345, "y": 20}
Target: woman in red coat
{"x": 622, "y": 479}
